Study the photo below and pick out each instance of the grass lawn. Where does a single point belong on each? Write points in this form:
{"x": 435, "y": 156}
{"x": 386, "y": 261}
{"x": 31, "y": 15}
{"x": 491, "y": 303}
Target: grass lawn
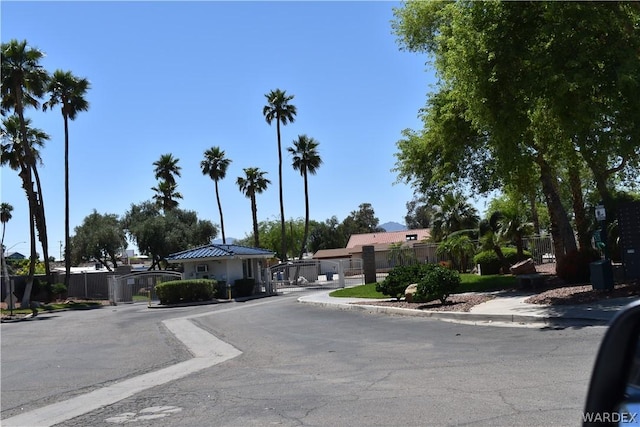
{"x": 470, "y": 283}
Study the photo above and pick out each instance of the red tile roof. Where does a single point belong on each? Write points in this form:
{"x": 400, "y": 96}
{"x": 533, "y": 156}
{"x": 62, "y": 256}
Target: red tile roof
{"x": 404, "y": 236}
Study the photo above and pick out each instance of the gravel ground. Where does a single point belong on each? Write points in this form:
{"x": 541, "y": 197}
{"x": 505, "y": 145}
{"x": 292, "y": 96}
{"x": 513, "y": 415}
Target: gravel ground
{"x": 462, "y": 302}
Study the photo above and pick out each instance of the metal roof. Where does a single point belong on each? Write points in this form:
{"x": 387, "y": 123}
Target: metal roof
{"x": 220, "y": 251}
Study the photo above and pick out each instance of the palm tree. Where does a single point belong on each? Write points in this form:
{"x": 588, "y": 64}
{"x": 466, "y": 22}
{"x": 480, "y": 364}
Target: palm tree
{"x": 454, "y": 213}
{"x": 166, "y": 195}
{"x": 166, "y": 168}
{"x": 251, "y": 184}
{"x": 279, "y": 109}
{"x": 69, "y": 92}
{"x": 5, "y": 216}
{"x": 215, "y": 165}
{"x": 306, "y": 160}
{"x": 13, "y": 155}
{"x": 23, "y": 83}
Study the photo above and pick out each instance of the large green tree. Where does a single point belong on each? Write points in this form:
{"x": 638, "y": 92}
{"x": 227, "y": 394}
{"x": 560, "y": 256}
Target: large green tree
{"x": 23, "y": 84}
{"x": 269, "y": 231}
{"x": 251, "y": 184}
{"x": 69, "y": 92}
{"x": 521, "y": 87}
{"x": 361, "y": 221}
{"x": 158, "y": 233}
{"x": 215, "y": 165}
{"x": 99, "y": 238}
{"x": 306, "y": 160}
{"x": 280, "y": 109}
{"x": 326, "y": 235}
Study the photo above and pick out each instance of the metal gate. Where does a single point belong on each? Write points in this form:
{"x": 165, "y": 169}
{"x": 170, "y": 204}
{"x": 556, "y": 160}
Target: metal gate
{"x": 139, "y": 286}
{"x": 315, "y": 274}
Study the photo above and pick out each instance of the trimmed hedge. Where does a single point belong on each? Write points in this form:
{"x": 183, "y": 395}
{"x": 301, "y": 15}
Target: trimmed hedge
{"x": 490, "y": 264}
{"x": 190, "y": 290}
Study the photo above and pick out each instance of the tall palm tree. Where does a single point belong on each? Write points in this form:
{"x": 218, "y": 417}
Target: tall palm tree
{"x": 215, "y": 165}
{"x": 166, "y": 195}
{"x": 306, "y": 160}
{"x": 5, "y": 216}
{"x": 279, "y": 109}
{"x": 166, "y": 169}
{"x": 13, "y": 155}
{"x": 69, "y": 92}
{"x": 23, "y": 83}
{"x": 251, "y": 184}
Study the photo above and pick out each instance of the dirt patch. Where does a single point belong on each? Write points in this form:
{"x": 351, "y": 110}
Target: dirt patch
{"x": 461, "y": 302}
{"x": 582, "y": 294}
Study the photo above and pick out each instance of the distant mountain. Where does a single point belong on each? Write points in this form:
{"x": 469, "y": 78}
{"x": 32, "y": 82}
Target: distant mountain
{"x": 393, "y": 226}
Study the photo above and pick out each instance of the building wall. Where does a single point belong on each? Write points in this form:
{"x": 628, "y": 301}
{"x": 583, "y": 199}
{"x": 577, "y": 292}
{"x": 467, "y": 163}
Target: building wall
{"x": 227, "y": 271}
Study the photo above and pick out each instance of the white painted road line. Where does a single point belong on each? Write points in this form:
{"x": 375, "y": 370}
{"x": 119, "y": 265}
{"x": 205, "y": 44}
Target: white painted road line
{"x": 206, "y": 348}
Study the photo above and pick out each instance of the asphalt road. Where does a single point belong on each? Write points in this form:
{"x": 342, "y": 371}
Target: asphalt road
{"x": 299, "y": 365}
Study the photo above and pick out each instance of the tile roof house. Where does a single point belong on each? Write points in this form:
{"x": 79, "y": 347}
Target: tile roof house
{"x": 379, "y": 240}
{"x": 224, "y": 263}
{"x": 409, "y": 237}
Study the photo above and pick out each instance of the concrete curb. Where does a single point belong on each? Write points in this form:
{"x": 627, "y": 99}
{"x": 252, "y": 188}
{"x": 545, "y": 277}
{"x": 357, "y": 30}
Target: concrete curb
{"x": 465, "y": 317}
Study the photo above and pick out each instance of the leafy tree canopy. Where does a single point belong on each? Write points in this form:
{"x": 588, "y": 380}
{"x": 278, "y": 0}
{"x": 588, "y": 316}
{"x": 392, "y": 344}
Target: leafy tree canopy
{"x": 159, "y": 234}
{"x": 99, "y": 238}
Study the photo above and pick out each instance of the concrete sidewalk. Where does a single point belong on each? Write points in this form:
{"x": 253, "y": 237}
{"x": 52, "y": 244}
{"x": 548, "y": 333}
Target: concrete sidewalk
{"x": 507, "y": 309}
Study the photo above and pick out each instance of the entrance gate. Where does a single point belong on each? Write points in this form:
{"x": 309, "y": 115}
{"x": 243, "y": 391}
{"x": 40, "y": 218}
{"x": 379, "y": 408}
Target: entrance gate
{"x": 138, "y": 286}
{"x": 315, "y": 274}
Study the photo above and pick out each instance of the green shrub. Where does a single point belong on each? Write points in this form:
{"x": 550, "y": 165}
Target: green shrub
{"x": 176, "y": 291}
{"x": 438, "y": 283}
{"x": 402, "y": 276}
{"x": 490, "y": 263}
{"x": 58, "y": 290}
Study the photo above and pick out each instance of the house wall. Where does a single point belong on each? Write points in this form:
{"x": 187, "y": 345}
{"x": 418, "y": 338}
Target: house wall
{"x": 223, "y": 271}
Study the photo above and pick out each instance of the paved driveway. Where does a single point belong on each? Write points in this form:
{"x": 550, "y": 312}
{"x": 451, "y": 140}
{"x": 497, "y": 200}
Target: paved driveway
{"x": 304, "y": 365}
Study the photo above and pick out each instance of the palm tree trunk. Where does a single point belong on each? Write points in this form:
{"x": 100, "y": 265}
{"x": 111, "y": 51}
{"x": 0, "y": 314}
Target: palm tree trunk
{"x": 254, "y": 214}
{"x": 306, "y": 217}
{"x": 224, "y": 239}
{"x": 283, "y": 244}
{"x": 41, "y": 224}
{"x": 67, "y": 247}
{"x": 28, "y": 187}
{"x": 27, "y": 184}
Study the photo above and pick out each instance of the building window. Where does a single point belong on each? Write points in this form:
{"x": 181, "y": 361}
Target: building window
{"x": 412, "y": 237}
{"x": 247, "y": 270}
{"x": 202, "y": 268}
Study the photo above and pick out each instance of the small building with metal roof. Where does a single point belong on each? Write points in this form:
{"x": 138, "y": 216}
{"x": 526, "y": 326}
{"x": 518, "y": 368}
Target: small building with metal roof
{"x": 223, "y": 263}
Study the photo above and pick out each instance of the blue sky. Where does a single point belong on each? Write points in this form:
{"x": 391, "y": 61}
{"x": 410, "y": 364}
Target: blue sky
{"x": 181, "y": 77}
